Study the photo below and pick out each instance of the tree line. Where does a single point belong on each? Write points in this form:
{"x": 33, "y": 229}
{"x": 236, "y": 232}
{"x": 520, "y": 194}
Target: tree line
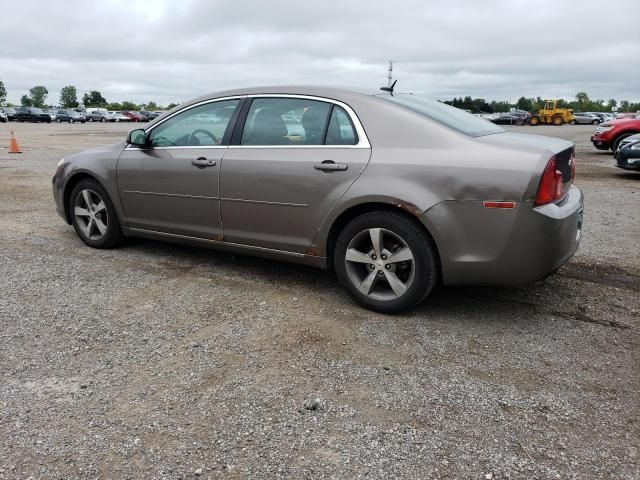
{"x": 37, "y": 97}
{"x": 581, "y": 103}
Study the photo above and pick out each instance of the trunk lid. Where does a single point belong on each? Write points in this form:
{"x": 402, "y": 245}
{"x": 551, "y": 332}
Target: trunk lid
{"x": 547, "y": 147}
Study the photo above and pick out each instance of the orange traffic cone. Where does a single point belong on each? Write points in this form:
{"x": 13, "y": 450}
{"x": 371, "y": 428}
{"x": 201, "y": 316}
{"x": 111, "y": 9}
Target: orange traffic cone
{"x": 13, "y": 146}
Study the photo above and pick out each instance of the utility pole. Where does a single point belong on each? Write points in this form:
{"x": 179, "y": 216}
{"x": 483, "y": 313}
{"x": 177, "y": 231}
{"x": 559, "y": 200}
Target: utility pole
{"x": 390, "y": 75}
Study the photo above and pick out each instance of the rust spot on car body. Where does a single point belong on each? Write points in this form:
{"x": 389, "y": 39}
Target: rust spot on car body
{"x": 219, "y": 238}
{"x": 312, "y": 252}
{"x": 409, "y": 207}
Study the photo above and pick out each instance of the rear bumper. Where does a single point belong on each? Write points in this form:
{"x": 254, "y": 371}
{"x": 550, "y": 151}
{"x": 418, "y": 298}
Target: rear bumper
{"x": 480, "y": 246}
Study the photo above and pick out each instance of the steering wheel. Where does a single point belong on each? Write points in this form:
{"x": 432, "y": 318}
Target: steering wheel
{"x": 193, "y": 137}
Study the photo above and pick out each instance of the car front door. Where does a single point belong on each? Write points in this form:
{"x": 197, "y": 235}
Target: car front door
{"x": 171, "y": 185}
{"x": 290, "y": 161}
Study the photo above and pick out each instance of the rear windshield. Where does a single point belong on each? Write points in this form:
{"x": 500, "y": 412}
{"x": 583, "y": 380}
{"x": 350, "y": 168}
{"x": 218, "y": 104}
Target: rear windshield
{"x": 444, "y": 114}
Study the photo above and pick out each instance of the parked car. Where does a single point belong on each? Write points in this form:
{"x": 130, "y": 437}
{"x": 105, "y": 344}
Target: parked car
{"x": 120, "y": 117}
{"x": 99, "y": 116}
{"x": 134, "y": 116}
{"x": 32, "y": 114}
{"x": 395, "y": 193}
{"x": 51, "y": 112}
{"x": 627, "y": 154}
{"x": 509, "y": 119}
{"x": 150, "y": 115}
{"x": 3, "y": 117}
{"x": 10, "y": 112}
{"x": 608, "y": 135}
{"x": 70, "y": 116}
{"x": 625, "y": 115}
{"x": 585, "y": 118}
{"x": 602, "y": 116}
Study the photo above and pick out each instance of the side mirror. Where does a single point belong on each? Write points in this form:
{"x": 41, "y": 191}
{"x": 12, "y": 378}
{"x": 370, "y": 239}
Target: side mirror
{"x": 137, "y": 137}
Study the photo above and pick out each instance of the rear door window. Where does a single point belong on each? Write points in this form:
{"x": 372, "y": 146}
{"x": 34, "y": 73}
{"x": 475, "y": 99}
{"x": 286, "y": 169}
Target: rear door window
{"x": 285, "y": 121}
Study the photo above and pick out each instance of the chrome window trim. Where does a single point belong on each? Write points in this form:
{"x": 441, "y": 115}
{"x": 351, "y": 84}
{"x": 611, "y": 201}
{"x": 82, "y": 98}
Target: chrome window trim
{"x": 187, "y": 147}
{"x": 363, "y": 139}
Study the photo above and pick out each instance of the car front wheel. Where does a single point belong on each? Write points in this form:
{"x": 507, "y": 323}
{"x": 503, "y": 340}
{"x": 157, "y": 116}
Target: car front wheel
{"x": 386, "y": 261}
{"x": 93, "y": 216}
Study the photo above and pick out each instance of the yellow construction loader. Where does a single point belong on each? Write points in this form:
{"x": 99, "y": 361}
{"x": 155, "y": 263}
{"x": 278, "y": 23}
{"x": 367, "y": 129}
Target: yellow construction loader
{"x": 550, "y": 114}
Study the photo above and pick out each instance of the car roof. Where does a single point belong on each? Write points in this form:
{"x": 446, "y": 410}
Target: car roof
{"x": 331, "y": 92}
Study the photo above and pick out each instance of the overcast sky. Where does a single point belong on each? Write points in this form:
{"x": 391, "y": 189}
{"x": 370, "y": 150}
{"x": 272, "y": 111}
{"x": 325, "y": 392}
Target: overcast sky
{"x": 172, "y": 50}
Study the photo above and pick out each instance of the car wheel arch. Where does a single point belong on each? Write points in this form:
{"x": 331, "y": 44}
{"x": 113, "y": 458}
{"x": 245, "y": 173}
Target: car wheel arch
{"x": 621, "y": 136}
{"x": 68, "y": 188}
{"x": 409, "y": 211}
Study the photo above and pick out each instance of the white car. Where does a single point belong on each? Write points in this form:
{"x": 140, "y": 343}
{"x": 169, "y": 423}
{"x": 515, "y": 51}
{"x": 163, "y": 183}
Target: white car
{"x": 120, "y": 117}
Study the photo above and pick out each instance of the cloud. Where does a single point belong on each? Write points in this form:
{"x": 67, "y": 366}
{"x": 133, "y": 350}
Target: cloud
{"x": 172, "y": 50}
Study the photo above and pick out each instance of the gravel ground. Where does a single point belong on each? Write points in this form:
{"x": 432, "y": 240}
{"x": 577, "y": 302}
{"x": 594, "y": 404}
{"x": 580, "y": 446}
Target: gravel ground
{"x": 165, "y": 361}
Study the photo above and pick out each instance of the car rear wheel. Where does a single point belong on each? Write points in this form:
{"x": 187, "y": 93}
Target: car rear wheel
{"x": 93, "y": 216}
{"x": 103, "y": 119}
{"x": 595, "y": 122}
{"x": 386, "y": 262}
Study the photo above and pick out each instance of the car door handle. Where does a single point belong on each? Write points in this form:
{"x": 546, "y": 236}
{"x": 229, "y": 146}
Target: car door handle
{"x": 330, "y": 166}
{"x": 202, "y": 162}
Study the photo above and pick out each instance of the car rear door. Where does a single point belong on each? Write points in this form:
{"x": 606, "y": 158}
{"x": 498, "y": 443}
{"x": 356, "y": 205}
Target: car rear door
{"x": 171, "y": 186}
{"x": 290, "y": 161}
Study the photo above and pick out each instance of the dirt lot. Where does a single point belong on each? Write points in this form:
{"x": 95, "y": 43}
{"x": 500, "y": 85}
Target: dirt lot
{"x": 163, "y": 361}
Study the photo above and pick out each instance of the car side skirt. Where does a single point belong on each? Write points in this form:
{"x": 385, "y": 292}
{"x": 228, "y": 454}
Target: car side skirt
{"x": 292, "y": 257}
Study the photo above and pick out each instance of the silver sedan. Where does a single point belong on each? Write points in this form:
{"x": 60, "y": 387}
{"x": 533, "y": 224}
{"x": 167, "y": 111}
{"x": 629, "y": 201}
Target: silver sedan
{"x": 393, "y": 192}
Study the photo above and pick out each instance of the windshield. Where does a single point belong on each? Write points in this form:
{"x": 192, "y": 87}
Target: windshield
{"x": 449, "y": 116}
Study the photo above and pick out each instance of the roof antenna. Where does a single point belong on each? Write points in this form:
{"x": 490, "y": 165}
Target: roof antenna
{"x": 389, "y": 89}
{"x": 390, "y": 86}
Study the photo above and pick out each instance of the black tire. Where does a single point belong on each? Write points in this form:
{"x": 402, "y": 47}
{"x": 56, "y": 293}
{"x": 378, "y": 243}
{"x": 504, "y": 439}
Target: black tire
{"x": 113, "y": 235}
{"x": 103, "y": 119}
{"x": 595, "y": 122}
{"x": 425, "y": 259}
{"x": 572, "y": 122}
{"x": 619, "y": 138}
{"x": 91, "y": 119}
{"x": 58, "y": 120}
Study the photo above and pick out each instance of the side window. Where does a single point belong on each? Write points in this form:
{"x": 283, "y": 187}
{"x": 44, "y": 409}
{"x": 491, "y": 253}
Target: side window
{"x": 199, "y": 126}
{"x": 341, "y": 130}
{"x": 285, "y": 121}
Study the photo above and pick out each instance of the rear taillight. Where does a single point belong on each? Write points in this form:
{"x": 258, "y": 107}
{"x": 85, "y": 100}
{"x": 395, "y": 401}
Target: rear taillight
{"x": 550, "y": 188}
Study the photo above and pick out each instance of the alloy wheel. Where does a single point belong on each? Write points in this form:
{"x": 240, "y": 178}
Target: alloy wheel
{"x": 380, "y": 264}
{"x": 91, "y": 215}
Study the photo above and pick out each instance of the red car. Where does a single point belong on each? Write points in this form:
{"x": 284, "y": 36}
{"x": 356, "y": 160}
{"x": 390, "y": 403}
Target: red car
{"x": 134, "y": 116}
{"x": 608, "y": 135}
